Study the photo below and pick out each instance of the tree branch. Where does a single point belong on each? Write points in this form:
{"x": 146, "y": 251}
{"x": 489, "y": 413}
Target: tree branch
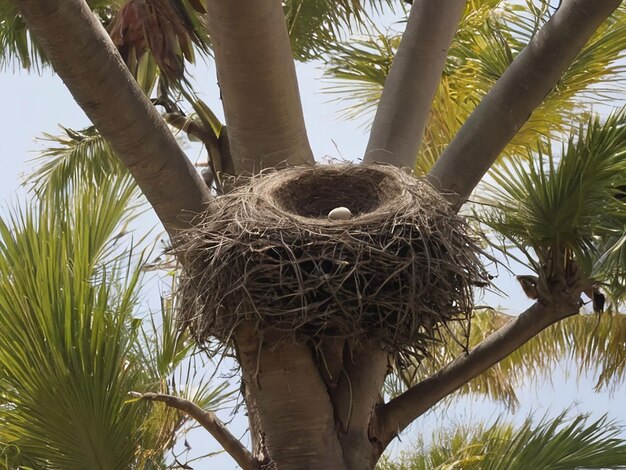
{"x": 397, "y": 414}
{"x": 509, "y": 104}
{"x": 258, "y": 83}
{"x": 208, "y": 421}
{"x": 83, "y": 55}
{"x": 409, "y": 89}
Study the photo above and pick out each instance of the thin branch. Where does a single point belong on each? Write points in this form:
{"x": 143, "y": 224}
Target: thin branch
{"x": 257, "y": 79}
{"x": 83, "y": 55}
{"x": 398, "y": 413}
{"x": 524, "y": 85}
{"x": 210, "y": 422}
{"x": 409, "y": 89}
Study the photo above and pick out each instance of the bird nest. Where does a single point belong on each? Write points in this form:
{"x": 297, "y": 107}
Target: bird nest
{"x": 401, "y": 268}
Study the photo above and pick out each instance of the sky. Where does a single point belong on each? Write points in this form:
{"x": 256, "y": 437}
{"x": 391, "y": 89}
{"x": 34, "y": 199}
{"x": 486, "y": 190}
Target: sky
{"x": 33, "y": 105}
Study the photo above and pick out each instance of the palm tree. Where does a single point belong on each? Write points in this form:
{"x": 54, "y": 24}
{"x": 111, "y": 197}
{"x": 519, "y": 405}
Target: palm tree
{"x": 72, "y": 347}
{"x": 346, "y": 423}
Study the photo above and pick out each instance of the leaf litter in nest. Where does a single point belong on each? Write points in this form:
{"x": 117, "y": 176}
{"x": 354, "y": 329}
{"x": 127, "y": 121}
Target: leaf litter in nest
{"x": 402, "y": 267}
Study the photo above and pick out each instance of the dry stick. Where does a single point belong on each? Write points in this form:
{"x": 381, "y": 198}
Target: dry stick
{"x": 409, "y": 89}
{"x": 208, "y": 421}
{"x": 397, "y": 414}
{"x": 83, "y": 55}
{"x": 509, "y": 104}
{"x": 258, "y": 84}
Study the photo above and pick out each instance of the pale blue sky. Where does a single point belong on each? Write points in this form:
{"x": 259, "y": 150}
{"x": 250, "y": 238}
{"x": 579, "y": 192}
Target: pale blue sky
{"x": 33, "y": 105}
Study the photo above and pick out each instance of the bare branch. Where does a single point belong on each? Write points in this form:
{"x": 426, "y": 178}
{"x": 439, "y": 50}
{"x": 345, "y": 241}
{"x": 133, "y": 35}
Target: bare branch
{"x": 258, "y": 83}
{"x": 208, "y": 421}
{"x": 509, "y": 104}
{"x": 83, "y": 55}
{"x": 396, "y": 415}
{"x": 412, "y": 82}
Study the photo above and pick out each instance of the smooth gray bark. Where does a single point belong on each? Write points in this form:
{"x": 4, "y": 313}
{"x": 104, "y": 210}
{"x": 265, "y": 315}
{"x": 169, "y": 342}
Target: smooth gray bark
{"x": 258, "y": 84}
{"x": 409, "y": 89}
{"x": 83, "y": 55}
{"x": 523, "y": 86}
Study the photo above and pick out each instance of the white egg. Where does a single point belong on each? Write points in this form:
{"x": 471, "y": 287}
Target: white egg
{"x": 340, "y": 213}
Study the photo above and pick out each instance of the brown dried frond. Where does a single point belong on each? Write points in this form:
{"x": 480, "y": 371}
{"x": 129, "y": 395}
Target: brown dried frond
{"x": 267, "y": 252}
{"x": 161, "y": 26}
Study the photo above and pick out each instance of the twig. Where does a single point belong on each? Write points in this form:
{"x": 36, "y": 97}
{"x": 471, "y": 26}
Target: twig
{"x": 209, "y": 421}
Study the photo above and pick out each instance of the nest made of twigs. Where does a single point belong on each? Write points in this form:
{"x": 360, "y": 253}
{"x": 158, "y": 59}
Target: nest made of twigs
{"x": 397, "y": 271}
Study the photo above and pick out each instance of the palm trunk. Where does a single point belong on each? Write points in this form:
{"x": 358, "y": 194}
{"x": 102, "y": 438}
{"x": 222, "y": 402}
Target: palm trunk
{"x": 83, "y": 55}
{"x": 409, "y": 89}
{"x": 258, "y": 85}
{"x": 300, "y": 422}
{"x": 288, "y": 399}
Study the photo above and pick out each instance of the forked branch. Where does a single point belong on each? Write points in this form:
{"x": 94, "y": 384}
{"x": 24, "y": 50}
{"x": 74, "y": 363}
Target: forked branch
{"x": 509, "y": 104}
{"x": 83, "y": 55}
{"x": 409, "y": 89}
{"x": 257, "y": 80}
{"x": 210, "y": 422}
{"x": 398, "y": 413}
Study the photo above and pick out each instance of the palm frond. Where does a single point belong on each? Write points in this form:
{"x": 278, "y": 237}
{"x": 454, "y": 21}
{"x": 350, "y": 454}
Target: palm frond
{"x": 546, "y": 204}
{"x": 314, "y": 26}
{"x": 64, "y": 337}
{"x": 167, "y": 30}
{"x": 551, "y": 444}
{"x": 69, "y": 342}
{"x": 74, "y": 158}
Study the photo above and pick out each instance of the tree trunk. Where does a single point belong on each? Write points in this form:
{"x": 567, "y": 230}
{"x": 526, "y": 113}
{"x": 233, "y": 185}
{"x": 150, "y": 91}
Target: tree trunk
{"x": 258, "y": 85}
{"x": 409, "y": 89}
{"x": 298, "y": 421}
{"x": 286, "y": 394}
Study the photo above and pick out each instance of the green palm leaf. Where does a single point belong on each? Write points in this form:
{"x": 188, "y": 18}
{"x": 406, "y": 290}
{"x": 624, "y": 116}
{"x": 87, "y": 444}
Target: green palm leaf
{"x": 316, "y": 25}
{"x": 546, "y": 204}
{"x": 72, "y": 159}
{"x": 559, "y": 443}
{"x": 71, "y": 350}
{"x": 64, "y": 336}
